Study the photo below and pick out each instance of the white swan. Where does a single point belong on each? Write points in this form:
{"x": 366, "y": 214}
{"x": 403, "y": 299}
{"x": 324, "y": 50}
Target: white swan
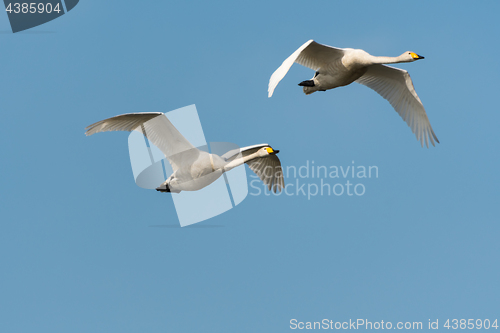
{"x": 337, "y": 67}
{"x": 193, "y": 169}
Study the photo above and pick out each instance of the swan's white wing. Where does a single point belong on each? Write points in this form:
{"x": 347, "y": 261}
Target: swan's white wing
{"x": 316, "y": 56}
{"x": 125, "y": 122}
{"x": 310, "y": 54}
{"x": 268, "y": 168}
{"x": 158, "y": 129}
{"x": 395, "y": 85}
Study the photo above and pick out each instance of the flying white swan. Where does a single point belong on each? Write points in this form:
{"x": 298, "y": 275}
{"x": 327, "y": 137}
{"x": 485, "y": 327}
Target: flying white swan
{"x": 193, "y": 169}
{"x": 337, "y": 67}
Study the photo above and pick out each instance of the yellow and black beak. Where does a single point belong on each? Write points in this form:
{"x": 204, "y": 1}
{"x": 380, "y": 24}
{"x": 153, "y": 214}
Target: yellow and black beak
{"x": 271, "y": 151}
{"x": 416, "y": 56}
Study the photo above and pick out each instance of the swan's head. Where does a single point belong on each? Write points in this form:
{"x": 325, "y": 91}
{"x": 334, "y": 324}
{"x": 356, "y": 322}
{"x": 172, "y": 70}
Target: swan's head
{"x": 412, "y": 56}
{"x": 266, "y": 151}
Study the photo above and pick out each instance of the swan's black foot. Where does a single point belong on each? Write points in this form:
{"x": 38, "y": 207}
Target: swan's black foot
{"x": 307, "y": 83}
{"x": 163, "y": 188}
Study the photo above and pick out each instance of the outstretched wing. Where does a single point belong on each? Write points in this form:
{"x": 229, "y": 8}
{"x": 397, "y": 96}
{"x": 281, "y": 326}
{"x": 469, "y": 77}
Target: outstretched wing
{"x": 310, "y": 54}
{"x": 124, "y": 122}
{"x": 395, "y": 85}
{"x": 156, "y": 127}
{"x": 268, "y": 168}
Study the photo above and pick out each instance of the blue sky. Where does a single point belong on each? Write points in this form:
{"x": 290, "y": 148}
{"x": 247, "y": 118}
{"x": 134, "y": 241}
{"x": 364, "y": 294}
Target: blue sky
{"x": 81, "y": 250}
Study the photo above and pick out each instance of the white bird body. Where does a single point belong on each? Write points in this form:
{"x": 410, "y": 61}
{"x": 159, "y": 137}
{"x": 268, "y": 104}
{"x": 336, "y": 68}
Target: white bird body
{"x": 337, "y": 67}
{"x": 193, "y": 175}
{"x": 193, "y": 169}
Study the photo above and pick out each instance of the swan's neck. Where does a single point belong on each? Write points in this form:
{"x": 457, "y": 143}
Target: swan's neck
{"x": 387, "y": 60}
{"x": 239, "y": 161}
